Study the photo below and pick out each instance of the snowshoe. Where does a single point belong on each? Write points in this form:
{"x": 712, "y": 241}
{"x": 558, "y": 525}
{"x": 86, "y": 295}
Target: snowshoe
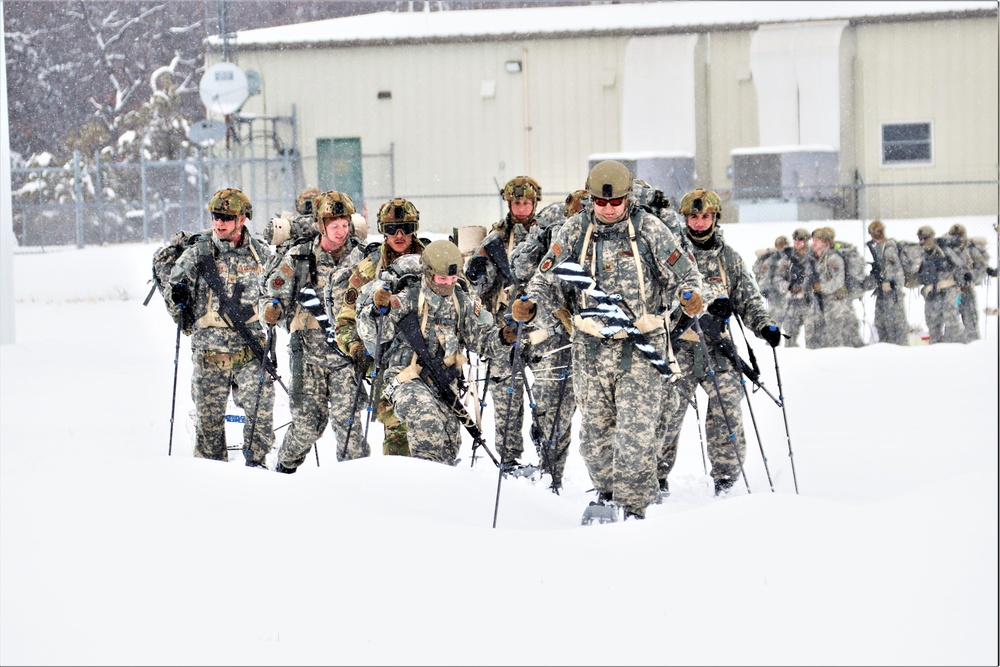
{"x": 600, "y": 512}
{"x": 517, "y": 469}
{"x": 664, "y": 492}
{"x": 723, "y": 485}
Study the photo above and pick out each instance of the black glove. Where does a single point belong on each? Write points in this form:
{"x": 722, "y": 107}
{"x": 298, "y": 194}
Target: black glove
{"x": 180, "y": 294}
{"x": 477, "y": 268}
{"x": 721, "y": 308}
{"x": 771, "y": 334}
{"x": 967, "y": 277}
{"x": 991, "y": 272}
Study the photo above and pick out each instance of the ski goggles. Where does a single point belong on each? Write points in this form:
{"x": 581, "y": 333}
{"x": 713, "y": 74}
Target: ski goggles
{"x": 617, "y": 201}
{"x": 225, "y": 217}
{"x": 390, "y": 228}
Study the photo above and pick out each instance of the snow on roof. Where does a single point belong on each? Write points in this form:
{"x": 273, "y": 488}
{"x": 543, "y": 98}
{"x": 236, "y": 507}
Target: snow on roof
{"x": 678, "y": 16}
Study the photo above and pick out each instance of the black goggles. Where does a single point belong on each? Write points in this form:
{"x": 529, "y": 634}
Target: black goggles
{"x": 390, "y": 228}
{"x": 225, "y": 217}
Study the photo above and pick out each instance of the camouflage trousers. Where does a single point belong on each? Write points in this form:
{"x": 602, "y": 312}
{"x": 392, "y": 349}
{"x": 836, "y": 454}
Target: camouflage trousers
{"x": 554, "y": 406}
{"x": 794, "y": 316}
{"x": 967, "y": 312}
{"x": 890, "y": 318}
{"x": 722, "y": 418}
{"x": 619, "y": 396}
{"x": 210, "y": 387}
{"x": 508, "y": 412}
{"x": 835, "y": 324}
{"x": 433, "y": 432}
{"x": 942, "y": 316}
{"x": 319, "y": 395}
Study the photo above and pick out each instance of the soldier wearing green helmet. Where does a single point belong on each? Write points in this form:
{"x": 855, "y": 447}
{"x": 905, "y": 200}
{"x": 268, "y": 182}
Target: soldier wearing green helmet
{"x": 886, "y": 280}
{"x": 971, "y": 274}
{"x": 449, "y": 320}
{"x": 226, "y": 328}
{"x": 940, "y": 265}
{"x": 630, "y": 253}
{"x": 793, "y": 278}
{"x": 398, "y": 220}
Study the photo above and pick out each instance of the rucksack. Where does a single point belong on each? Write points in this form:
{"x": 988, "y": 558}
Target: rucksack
{"x": 163, "y": 263}
{"x": 911, "y": 255}
{"x": 854, "y": 268}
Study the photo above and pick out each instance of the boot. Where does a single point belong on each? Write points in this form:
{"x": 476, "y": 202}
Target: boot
{"x": 282, "y": 468}
{"x": 722, "y": 485}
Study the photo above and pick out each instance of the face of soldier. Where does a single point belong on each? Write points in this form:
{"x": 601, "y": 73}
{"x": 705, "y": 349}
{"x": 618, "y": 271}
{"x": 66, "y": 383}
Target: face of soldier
{"x": 228, "y": 227}
{"x": 442, "y": 285}
{"x": 398, "y": 241}
{"x": 877, "y": 236}
{"x": 335, "y": 233}
{"x": 700, "y": 222}
{"x": 818, "y": 245}
{"x": 800, "y": 246}
{"x": 521, "y": 209}
{"x": 609, "y": 211}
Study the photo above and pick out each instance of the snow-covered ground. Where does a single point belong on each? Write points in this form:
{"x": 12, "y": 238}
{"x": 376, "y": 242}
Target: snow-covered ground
{"x": 113, "y": 552}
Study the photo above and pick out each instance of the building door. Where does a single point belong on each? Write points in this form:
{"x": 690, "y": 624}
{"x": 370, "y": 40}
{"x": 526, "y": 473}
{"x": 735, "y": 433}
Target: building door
{"x": 338, "y": 167}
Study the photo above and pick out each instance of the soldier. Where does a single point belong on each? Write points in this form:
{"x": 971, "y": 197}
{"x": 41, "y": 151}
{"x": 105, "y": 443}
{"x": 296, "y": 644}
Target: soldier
{"x": 323, "y": 377}
{"x": 974, "y": 271}
{"x": 398, "y": 221}
{"x": 886, "y": 281}
{"x": 832, "y": 321}
{"x": 791, "y": 279}
{"x": 728, "y": 289}
{"x": 765, "y": 269}
{"x": 448, "y": 319}
{"x": 227, "y": 341}
{"x": 485, "y": 268}
{"x": 940, "y": 289}
{"x": 630, "y": 253}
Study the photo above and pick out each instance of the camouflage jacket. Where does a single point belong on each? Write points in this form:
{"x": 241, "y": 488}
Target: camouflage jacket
{"x": 794, "y": 275}
{"x": 829, "y": 273}
{"x": 306, "y": 263}
{"x": 647, "y": 283}
{"x": 378, "y": 257}
{"x": 241, "y": 268}
{"x": 889, "y": 263}
{"x": 492, "y": 290}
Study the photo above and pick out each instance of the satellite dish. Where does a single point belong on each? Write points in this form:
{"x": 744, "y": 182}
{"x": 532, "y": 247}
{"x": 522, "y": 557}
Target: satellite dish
{"x": 223, "y": 88}
{"x": 207, "y": 132}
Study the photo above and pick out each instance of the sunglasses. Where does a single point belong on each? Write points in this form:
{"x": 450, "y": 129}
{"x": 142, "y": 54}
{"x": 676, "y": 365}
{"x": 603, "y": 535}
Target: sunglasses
{"x": 225, "y": 217}
{"x": 617, "y": 201}
{"x": 390, "y": 228}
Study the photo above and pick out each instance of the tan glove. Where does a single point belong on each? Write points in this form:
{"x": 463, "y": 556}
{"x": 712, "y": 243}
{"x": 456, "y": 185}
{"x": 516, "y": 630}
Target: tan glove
{"x": 272, "y": 313}
{"x": 817, "y": 287}
{"x": 691, "y": 304}
{"x": 382, "y": 299}
{"x": 508, "y": 334}
{"x": 360, "y": 356}
{"x": 886, "y": 286}
{"x": 523, "y": 310}
{"x": 567, "y": 320}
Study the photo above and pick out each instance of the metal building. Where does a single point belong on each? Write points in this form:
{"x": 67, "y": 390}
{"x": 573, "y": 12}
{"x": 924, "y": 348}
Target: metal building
{"x": 791, "y": 110}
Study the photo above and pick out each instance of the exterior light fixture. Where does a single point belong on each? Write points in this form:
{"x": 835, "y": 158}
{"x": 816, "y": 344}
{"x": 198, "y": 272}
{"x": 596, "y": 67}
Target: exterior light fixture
{"x": 513, "y": 66}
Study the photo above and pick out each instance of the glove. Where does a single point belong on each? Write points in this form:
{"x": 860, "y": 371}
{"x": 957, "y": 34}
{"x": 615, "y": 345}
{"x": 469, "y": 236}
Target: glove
{"x": 721, "y": 308}
{"x": 180, "y": 294}
{"x": 691, "y": 303}
{"x": 967, "y": 277}
{"x": 991, "y": 272}
{"x": 360, "y": 356}
{"x": 383, "y": 301}
{"x": 523, "y": 310}
{"x": 508, "y": 334}
{"x": 817, "y": 287}
{"x": 272, "y": 313}
{"x": 795, "y": 289}
{"x": 771, "y": 334}
{"x": 477, "y": 268}
{"x": 887, "y": 286}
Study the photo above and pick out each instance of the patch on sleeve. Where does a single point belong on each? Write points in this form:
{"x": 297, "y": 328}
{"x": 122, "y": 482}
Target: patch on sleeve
{"x": 355, "y": 282}
{"x": 545, "y": 265}
{"x": 394, "y": 301}
{"x": 556, "y": 249}
{"x": 674, "y": 256}
{"x": 277, "y": 282}
{"x": 287, "y": 270}
{"x": 351, "y": 296}
{"x": 476, "y": 309}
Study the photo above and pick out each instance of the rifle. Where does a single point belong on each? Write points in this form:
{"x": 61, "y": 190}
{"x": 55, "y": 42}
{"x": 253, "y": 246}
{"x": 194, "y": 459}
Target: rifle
{"x": 439, "y": 378}
{"x": 713, "y": 328}
{"x": 234, "y": 314}
{"x": 498, "y": 255}
{"x": 876, "y": 273}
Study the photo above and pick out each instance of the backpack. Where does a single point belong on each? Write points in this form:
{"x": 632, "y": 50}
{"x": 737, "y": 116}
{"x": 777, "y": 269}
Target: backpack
{"x": 163, "y": 263}
{"x": 911, "y": 255}
{"x": 854, "y": 268}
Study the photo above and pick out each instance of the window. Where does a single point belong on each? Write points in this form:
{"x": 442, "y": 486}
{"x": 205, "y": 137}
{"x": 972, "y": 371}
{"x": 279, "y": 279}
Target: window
{"x": 906, "y": 142}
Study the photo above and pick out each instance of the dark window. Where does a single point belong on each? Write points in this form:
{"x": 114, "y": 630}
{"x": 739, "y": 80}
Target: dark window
{"x": 906, "y": 142}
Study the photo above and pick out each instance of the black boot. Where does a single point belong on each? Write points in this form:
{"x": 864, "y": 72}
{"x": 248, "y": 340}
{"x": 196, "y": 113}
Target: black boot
{"x": 722, "y": 485}
{"x": 281, "y": 468}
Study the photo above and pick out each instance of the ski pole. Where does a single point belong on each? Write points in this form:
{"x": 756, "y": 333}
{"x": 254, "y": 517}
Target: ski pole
{"x": 350, "y": 417}
{"x": 784, "y": 414}
{"x": 173, "y": 399}
{"x": 515, "y": 369}
{"x": 482, "y": 404}
{"x": 753, "y": 418}
{"x": 376, "y": 362}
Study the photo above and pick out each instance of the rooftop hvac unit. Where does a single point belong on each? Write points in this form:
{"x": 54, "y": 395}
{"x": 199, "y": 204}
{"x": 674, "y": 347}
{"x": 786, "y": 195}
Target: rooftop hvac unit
{"x": 793, "y": 173}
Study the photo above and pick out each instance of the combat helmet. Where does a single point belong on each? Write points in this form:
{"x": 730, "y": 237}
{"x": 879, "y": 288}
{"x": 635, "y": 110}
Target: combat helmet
{"x": 398, "y": 211}
{"x": 442, "y": 258}
{"x": 926, "y": 235}
{"x": 609, "y": 179}
{"x": 781, "y": 242}
{"x": 800, "y": 234}
{"x": 877, "y": 229}
{"x": 958, "y": 229}
{"x": 574, "y": 202}
{"x": 230, "y": 201}
{"x": 701, "y": 201}
{"x": 521, "y": 187}
{"x": 304, "y": 204}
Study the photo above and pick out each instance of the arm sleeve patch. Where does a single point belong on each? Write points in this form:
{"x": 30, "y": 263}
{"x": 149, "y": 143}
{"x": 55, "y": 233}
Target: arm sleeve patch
{"x": 277, "y": 282}
{"x": 674, "y": 256}
{"x": 287, "y": 270}
{"x": 351, "y": 296}
{"x": 545, "y": 265}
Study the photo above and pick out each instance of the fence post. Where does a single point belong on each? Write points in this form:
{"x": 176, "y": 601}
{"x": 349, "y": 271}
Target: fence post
{"x": 78, "y": 190}
{"x": 99, "y": 189}
{"x": 145, "y": 199}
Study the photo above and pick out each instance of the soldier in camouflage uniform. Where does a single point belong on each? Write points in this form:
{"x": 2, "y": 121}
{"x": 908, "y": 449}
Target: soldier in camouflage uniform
{"x": 765, "y": 269}
{"x": 973, "y": 273}
{"x": 792, "y": 279}
{"x": 728, "y": 289}
{"x": 890, "y": 309}
{"x": 522, "y": 194}
{"x": 629, "y": 252}
{"x": 832, "y": 321}
{"x": 323, "y": 378}
{"x": 452, "y": 319}
{"x": 398, "y": 221}
{"x": 221, "y": 358}
{"x": 940, "y": 290}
